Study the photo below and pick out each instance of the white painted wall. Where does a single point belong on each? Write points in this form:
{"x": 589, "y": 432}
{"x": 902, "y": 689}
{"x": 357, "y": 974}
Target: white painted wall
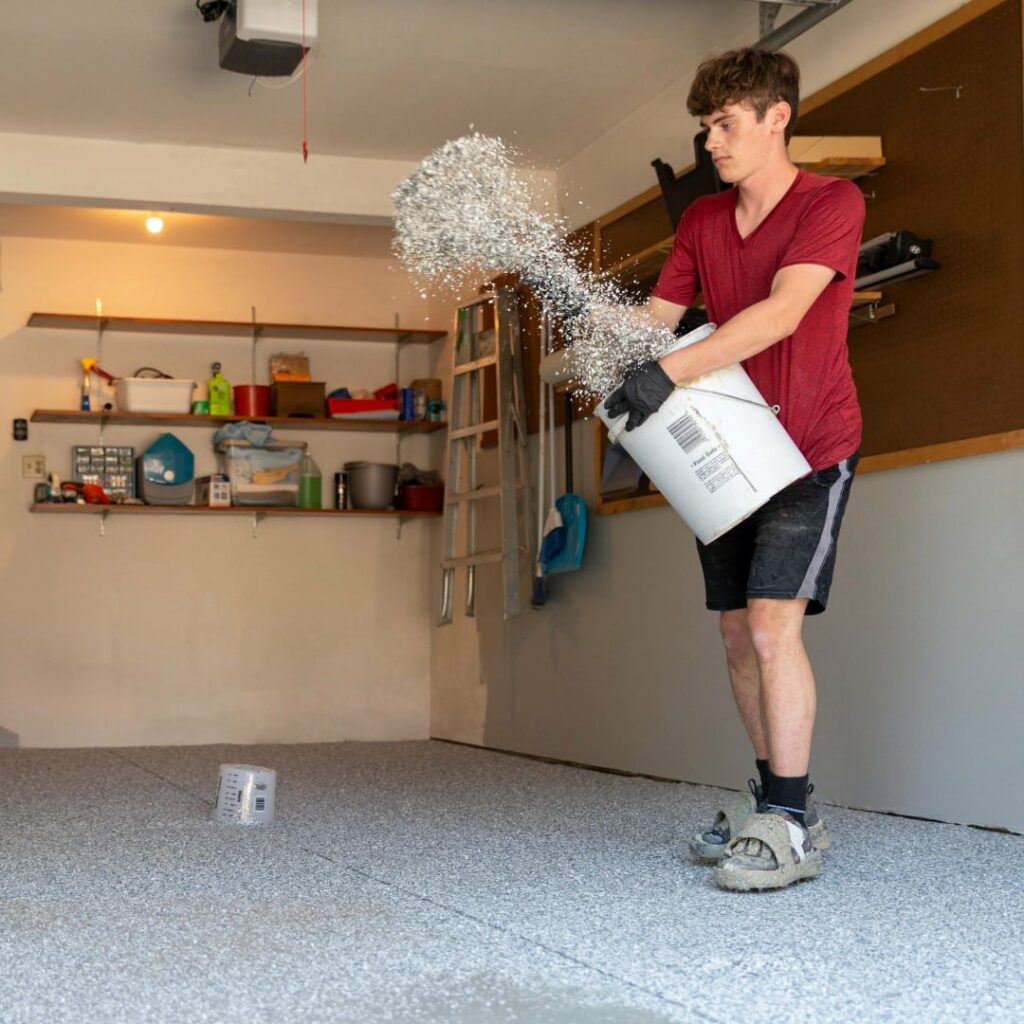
{"x": 188, "y": 630}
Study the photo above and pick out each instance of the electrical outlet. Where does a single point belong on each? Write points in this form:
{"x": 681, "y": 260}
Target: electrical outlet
{"x": 33, "y": 467}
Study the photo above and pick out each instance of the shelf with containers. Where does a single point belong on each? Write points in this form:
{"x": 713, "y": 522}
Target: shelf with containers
{"x": 259, "y": 512}
{"x": 234, "y": 328}
{"x": 171, "y": 419}
{"x": 254, "y": 331}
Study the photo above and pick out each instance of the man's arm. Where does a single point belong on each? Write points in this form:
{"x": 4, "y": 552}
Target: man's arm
{"x": 663, "y": 312}
{"x": 757, "y": 327}
{"x": 794, "y": 290}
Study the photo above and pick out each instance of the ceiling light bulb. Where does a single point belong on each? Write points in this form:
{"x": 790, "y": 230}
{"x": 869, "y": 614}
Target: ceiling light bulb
{"x": 154, "y": 225}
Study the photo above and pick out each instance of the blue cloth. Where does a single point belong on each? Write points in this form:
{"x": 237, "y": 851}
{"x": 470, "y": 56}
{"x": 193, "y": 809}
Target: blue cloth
{"x": 257, "y": 434}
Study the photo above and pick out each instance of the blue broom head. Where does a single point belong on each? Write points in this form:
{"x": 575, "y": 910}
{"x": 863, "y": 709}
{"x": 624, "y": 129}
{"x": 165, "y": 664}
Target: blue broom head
{"x": 554, "y": 536}
{"x": 573, "y": 513}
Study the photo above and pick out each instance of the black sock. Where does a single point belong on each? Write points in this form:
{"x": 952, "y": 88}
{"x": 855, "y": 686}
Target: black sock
{"x": 788, "y": 793}
{"x": 764, "y": 772}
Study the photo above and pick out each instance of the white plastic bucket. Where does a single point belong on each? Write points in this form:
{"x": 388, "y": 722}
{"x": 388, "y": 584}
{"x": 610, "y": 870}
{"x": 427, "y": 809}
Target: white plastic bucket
{"x": 715, "y": 449}
{"x": 245, "y": 795}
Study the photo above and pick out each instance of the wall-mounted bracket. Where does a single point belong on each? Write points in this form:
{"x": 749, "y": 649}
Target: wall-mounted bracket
{"x": 871, "y": 312}
{"x": 772, "y": 38}
{"x": 767, "y": 13}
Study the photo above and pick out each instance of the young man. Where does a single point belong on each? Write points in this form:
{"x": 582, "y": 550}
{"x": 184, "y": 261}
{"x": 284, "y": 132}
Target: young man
{"x": 775, "y": 258}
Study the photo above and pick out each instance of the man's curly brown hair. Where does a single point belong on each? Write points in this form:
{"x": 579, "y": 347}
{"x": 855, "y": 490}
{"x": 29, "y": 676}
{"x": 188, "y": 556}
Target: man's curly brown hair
{"x": 754, "y": 76}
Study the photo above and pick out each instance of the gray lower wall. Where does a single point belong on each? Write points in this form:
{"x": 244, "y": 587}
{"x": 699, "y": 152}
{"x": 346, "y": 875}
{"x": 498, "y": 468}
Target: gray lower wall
{"x": 919, "y": 659}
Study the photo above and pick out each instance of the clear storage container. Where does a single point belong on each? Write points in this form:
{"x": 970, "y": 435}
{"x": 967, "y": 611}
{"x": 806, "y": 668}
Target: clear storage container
{"x": 262, "y": 475}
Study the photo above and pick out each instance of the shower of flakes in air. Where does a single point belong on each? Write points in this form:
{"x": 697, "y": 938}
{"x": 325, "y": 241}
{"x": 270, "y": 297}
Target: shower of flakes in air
{"x": 467, "y": 210}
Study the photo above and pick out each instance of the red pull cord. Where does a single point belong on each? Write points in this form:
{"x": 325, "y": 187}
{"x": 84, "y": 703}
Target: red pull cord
{"x": 305, "y": 75}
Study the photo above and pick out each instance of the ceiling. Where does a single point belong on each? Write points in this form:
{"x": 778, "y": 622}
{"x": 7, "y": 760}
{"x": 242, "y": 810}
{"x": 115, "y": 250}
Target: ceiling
{"x": 389, "y": 79}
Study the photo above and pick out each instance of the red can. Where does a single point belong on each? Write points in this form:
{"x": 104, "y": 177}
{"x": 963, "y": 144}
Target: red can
{"x": 252, "y": 400}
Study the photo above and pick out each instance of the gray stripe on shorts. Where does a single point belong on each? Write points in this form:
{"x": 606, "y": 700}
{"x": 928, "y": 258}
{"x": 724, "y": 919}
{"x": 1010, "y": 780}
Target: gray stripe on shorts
{"x": 835, "y": 492}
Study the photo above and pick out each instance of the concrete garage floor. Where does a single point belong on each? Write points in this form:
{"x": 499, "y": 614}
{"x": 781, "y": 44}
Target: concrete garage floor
{"x": 420, "y": 882}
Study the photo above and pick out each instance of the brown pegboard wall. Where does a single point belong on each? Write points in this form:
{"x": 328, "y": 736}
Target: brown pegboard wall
{"x": 950, "y": 364}
{"x": 645, "y": 226}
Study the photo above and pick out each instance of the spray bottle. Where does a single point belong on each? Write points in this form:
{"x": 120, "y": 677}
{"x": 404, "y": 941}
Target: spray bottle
{"x": 220, "y": 393}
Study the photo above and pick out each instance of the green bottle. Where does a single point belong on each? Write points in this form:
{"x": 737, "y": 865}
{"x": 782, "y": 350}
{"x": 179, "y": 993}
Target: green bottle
{"x": 309, "y": 484}
{"x": 220, "y": 393}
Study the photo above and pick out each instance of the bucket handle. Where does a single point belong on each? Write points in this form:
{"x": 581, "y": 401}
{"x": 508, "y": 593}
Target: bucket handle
{"x": 736, "y": 398}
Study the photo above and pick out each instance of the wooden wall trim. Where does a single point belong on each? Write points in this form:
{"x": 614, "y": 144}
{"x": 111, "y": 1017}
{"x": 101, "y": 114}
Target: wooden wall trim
{"x": 942, "y": 452}
{"x": 918, "y": 41}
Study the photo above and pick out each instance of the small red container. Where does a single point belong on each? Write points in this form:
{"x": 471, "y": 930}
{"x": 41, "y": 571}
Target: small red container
{"x": 423, "y": 497}
{"x": 362, "y": 408}
{"x": 252, "y": 399}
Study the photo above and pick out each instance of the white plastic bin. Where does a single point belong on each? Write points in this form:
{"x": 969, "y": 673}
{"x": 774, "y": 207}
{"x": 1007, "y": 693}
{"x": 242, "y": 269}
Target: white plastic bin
{"x": 715, "y": 449}
{"x": 153, "y": 394}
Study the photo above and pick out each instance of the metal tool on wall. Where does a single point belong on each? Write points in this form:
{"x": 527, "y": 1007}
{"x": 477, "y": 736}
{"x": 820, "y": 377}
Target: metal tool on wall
{"x": 466, "y": 429}
{"x": 550, "y": 521}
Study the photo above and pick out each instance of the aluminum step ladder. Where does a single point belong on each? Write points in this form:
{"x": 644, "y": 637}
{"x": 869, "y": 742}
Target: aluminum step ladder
{"x": 487, "y": 335}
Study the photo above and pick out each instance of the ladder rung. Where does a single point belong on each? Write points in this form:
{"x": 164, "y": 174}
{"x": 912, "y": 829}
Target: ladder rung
{"x": 480, "y": 428}
{"x": 477, "y": 364}
{"x": 480, "y": 558}
{"x": 481, "y": 492}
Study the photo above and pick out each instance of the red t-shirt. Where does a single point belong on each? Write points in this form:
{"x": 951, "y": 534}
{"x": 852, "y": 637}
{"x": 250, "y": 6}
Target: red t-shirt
{"x": 819, "y": 220}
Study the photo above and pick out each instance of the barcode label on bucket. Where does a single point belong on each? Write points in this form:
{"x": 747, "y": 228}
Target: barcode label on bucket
{"x": 687, "y": 433}
{"x": 715, "y": 467}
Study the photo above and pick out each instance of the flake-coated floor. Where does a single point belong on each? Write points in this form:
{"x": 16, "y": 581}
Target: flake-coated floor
{"x": 427, "y": 882}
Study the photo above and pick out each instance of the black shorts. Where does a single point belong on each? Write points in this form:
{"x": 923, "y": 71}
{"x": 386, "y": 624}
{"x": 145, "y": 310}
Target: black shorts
{"x": 786, "y": 549}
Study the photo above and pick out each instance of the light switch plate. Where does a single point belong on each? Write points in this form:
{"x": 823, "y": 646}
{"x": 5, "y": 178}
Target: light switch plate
{"x": 33, "y": 467}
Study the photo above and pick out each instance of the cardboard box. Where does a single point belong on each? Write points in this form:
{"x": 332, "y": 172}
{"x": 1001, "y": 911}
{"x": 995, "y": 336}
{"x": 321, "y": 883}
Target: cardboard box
{"x": 213, "y": 491}
{"x": 430, "y": 386}
{"x": 298, "y": 398}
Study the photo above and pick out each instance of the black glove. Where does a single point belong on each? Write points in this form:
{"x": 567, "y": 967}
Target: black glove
{"x": 641, "y": 395}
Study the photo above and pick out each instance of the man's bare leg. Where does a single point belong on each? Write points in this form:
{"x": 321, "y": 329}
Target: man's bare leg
{"x": 773, "y": 688}
{"x": 788, "y": 701}
{"x": 745, "y": 675}
{"x": 754, "y": 860}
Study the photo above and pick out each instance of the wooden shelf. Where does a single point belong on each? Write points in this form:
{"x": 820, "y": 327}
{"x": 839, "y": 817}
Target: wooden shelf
{"x": 173, "y": 419}
{"x": 237, "y": 510}
{"x": 840, "y": 156}
{"x": 864, "y": 299}
{"x": 234, "y": 328}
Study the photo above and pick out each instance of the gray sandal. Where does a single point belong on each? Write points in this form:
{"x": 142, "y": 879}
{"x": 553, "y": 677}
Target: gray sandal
{"x": 712, "y": 844}
{"x": 773, "y": 851}
{"x": 729, "y": 821}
